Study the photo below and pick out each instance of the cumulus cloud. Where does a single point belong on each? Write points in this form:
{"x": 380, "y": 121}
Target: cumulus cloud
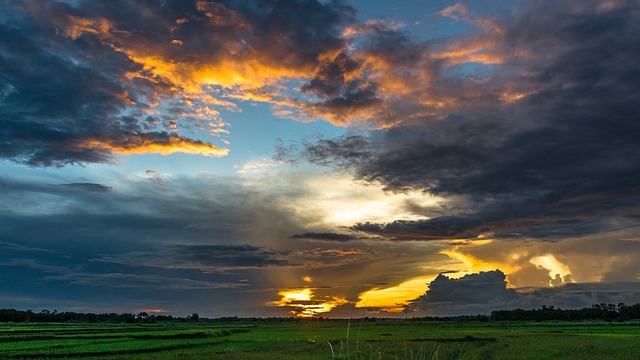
{"x": 473, "y": 293}
{"x": 483, "y": 292}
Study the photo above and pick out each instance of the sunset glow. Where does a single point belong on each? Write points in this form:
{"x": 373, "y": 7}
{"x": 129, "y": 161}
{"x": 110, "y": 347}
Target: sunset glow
{"x": 558, "y": 271}
{"x": 394, "y": 299}
{"x": 303, "y": 303}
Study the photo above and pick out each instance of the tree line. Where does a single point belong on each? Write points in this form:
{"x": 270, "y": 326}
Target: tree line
{"x": 46, "y": 316}
{"x": 606, "y": 312}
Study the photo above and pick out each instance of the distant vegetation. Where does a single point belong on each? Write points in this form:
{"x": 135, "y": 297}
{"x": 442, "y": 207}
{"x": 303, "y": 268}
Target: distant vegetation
{"x": 46, "y": 316}
{"x": 605, "y": 312}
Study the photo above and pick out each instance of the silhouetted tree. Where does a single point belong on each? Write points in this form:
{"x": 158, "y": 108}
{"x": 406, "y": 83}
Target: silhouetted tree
{"x": 193, "y": 317}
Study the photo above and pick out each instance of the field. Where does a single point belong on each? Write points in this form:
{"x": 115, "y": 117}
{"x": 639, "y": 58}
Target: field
{"x": 328, "y": 339}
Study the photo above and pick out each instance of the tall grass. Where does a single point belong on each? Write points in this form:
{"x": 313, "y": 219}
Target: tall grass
{"x": 343, "y": 352}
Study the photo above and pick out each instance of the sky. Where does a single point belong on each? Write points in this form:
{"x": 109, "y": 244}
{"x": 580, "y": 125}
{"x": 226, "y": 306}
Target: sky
{"x": 319, "y": 158}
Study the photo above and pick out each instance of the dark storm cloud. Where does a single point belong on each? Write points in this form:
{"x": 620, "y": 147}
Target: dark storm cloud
{"x": 331, "y": 79}
{"x": 436, "y": 229}
{"x": 190, "y": 211}
{"x": 299, "y": 30}
{"x": 293, "y": 33}
{"x": 484, "y": 292}
{"x": 324, "y": 236}
{"x": 380, "y": 76}
{"x": 550, "y": 218}
{"x": 485, "y": 289}
{"x": 347, "y": 151}
{"x": 561, "y": 155}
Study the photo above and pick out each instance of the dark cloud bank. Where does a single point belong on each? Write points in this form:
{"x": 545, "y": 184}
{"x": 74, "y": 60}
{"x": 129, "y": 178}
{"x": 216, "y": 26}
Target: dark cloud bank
{"x": 324, "y": 236}
{"x": 138, "y": 244}
{"x": 562, "y": 160}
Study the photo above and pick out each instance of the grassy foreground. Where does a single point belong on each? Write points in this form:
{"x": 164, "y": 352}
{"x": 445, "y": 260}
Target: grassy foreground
{"x": 328, "y": 339}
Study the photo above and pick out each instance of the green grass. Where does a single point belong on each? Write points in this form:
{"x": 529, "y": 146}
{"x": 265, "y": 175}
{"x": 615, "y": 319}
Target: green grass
{"x": 329, "y": 339}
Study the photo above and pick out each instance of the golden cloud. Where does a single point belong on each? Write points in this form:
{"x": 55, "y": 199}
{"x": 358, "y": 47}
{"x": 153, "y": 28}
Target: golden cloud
{"x": 147, "y": 145}
{"x": 380, "y": 87}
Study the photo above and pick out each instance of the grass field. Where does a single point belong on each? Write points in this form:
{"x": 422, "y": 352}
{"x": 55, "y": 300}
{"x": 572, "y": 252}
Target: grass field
{"x": 328, "y": 339}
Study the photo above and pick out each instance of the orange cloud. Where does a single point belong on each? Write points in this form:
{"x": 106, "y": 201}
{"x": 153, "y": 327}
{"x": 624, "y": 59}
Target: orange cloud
{"x": 475, "y": 264}
{"x": 240, "y": 69}
{"x": 483, "y": 48}
{"x": 384, "y": 86}
{"x": 143, "y": 145}
{"x": 76, "y": 26}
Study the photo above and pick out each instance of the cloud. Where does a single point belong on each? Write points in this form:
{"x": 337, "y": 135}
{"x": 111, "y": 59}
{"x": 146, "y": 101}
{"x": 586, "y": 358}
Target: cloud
{"x": 179, "y": 242}
{"x": 91, "y": 187}
{"x": 66, "y": 96}
{"x": 253, "y": 166}
{"x": 120, "y": 280}
{"x": 572, "y": 296}
{"x": 36, "y": 265}
{"x": 304, "y": 303}
{"x": 324, "y": 236}
{"x": 204, "y": 257}
{"x": 541, "y": 89}
{"x": 483, "y": 292}
{"x": 543, "y": 145}
{"x": 17, "y": 247}
{"x": 82, "y": 82}
{"x": 434, "y": 229}
{"x": 473, "y": 292}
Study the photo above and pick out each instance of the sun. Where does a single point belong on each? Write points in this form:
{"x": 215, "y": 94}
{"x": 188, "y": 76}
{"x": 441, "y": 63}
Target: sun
{"x": 304, "y": 304}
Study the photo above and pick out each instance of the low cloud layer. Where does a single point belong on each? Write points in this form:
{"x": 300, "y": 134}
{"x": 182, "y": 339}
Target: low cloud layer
{"x": 205, "y": 257}
{"x": 324, "y": 236}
